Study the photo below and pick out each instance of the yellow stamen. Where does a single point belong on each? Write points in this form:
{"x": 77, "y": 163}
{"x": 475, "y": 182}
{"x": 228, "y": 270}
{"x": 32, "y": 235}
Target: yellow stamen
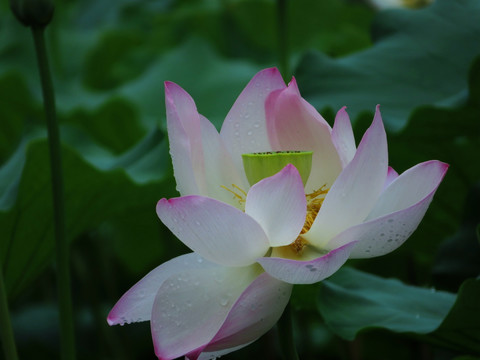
{"x": 238, "y": 193}
{"x": 314, "y": 203}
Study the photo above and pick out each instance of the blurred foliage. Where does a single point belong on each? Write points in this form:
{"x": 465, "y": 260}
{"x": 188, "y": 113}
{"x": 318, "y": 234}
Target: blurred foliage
{"x": 110, "y": 60}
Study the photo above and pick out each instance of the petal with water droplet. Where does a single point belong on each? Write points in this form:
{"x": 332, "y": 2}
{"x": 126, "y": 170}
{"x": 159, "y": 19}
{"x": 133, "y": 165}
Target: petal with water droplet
{"x": 136, "y": 304}
{"x": 183, "y": 329}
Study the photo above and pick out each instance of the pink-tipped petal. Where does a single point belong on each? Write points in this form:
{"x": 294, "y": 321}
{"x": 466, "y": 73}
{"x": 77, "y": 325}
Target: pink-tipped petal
{"x": 391, "y": 175}
{"x": 386, "y": 233}
{"x": 357, "y": 188}
{"x": 216, "y": 354}
{"x": 409, "y": 188}
{"x": 293, "y": 124}
{"x": 244, "y": 129}
{"x": 255, "y": 312}
{"x": 278, "y": 204}
{"x": 307, "y": 272}
{"x": 219, "y": 167}
{"x": 213, "y": 229}
{"x": 342, "y": 137}
{"x": 136, "y": 304}
{"x": 191, "y": 307}
{"x": 183, "y": 126}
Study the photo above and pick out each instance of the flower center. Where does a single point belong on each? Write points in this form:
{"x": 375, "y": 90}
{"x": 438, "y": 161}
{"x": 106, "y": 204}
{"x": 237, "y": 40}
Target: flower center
{"x": 314, "y": 203}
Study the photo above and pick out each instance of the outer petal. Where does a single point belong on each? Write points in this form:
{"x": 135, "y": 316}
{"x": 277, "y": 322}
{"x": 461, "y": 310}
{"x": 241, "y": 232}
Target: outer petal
{"x": 215, "y": 230}
{"x": 342, "y": 137}
{"x": 355, "y": 192}
{"x": 219, "y": 167}
{"x": 383, "y": 235}
{"x": 255, "y": 312}
{"x": 191, "y": 307}
{"x": 409, "y": 188}
{"x": 278, "y": 204}
{"x": 244, "y": 129}
{"x": 307, "y": 272}
{"x": 214, "y": 354}
{"x": 391, "y": 175}
{"x": 184, "y": 134}
{"x": 293, "y": 124}
{"x": 136, "y": 304}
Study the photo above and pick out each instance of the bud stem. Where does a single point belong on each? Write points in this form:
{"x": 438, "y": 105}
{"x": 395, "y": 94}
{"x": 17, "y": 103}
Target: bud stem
{"x": 61, "y": 245}
{"x": 6, "y": 331}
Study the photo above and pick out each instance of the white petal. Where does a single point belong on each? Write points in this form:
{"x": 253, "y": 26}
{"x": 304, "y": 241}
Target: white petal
{"x": 307, "y": 272}
{"x": 356, "y": 190}
{"x": 183, "y": 126}
{"x": 215, "y": 230}
{"x": 244, "y": 129}
{"x": 136, "y": 304}
{"x": 278, "y": 204}
{"x": 219, "y": 167}
{"x": 255, "y": 312}
{"x": 385, "y": 234}
{"x": 342, "y": 137}
{"x": 409, "y": 188}
{"x": 191, "y": 307}
{"x": 294, "y": 124}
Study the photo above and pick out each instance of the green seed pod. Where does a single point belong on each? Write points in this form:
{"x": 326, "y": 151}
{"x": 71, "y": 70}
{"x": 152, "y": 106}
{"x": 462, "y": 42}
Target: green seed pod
{"x": 258, "y": 166}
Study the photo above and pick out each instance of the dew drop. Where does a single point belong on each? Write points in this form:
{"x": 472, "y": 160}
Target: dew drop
{"x": 224, "y": 301}
{"x": 256, "y": 125}
{"x": 249, "y": 132}
{"x": 197, "y": 222}
{"x": 237, "y": 125}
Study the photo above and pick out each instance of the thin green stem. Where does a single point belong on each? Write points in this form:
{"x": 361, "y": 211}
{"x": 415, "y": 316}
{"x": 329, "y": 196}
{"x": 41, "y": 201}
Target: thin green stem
{"x": 6, "y": 331}
{"x": 283, "y": 58}
{"x": 285, "y": 333}
{"x": 61, "y": 245}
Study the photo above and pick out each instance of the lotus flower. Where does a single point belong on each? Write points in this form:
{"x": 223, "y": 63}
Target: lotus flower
{"x": 253, "y": 239}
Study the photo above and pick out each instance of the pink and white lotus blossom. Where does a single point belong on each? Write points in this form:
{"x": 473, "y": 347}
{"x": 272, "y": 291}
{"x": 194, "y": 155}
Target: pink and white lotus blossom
{"x": 251, "y": 242}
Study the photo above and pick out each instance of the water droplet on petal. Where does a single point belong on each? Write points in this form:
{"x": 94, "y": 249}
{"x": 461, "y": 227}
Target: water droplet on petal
{"x": 224, "y": 301}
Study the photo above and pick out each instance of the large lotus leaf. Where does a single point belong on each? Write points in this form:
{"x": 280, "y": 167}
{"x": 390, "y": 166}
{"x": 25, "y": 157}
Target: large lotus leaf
{"x": 98, "y": 187}
{"x": 461, "y": 328}
{"x": 420, "y": 57}
{"x": 352, "y": 301}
